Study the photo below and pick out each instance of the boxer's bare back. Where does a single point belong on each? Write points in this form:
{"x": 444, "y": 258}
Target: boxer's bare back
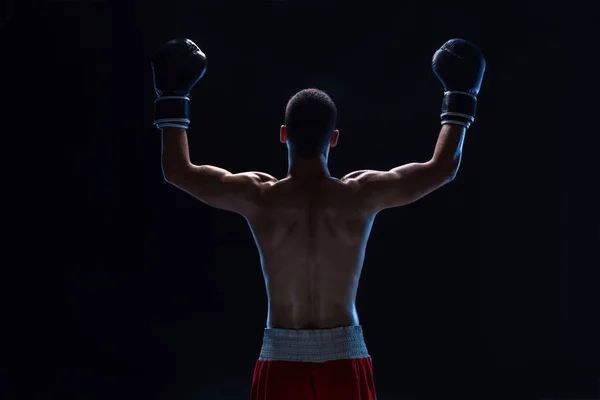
{"x": 311, "y": 229}
{"x": 311, "y": 236}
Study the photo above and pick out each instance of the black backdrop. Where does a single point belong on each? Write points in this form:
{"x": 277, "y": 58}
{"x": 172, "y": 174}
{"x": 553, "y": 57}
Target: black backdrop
{"x": 120, "y": 286}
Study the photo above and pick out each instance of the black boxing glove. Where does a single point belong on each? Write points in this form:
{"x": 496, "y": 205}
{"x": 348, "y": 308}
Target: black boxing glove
{"x": 460, "y": 66}
{"x": 177, "y": 66}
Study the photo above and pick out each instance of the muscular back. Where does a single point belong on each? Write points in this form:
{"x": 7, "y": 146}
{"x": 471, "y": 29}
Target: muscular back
{"x": 311, "y": 233}
{"x": 311, "y": 238}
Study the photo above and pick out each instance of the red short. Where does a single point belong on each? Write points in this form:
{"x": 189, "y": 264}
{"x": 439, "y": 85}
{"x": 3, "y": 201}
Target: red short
{"x": 348, "y": 379}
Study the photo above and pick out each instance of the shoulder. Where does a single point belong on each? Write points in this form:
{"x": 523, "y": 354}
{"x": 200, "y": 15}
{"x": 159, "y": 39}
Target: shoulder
{"x": 255, "y": 180}
{"x": 357, "y": 179}
{"x": 259, "y": 184}
{"x": 261, "y": 177}
{"x": 353, "y": 175}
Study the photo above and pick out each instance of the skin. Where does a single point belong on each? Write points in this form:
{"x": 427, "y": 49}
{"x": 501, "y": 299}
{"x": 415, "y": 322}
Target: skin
{"x": 311, "y": 229}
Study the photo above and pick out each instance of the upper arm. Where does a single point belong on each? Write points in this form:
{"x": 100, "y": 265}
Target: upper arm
{"x": 219, "y": 188}
{"x": 378, "y": 190}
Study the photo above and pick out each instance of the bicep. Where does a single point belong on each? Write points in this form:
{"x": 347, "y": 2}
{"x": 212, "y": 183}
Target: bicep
{"x": 379, "y": 190}
{"x": 220, "y": 188}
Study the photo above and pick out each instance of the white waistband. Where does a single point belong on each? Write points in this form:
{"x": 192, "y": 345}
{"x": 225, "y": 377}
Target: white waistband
{"x": 314, "y": 345}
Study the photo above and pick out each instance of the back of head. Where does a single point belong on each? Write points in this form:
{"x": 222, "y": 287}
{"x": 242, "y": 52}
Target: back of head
{"x": 310, "y": 118}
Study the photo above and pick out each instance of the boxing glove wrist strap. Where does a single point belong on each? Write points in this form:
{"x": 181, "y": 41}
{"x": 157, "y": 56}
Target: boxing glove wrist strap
{"x": 172, "y": 112}
{"x": 458, "y": 108}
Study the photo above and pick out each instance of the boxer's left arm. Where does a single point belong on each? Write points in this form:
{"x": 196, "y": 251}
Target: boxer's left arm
{"x": 216, "y": 187}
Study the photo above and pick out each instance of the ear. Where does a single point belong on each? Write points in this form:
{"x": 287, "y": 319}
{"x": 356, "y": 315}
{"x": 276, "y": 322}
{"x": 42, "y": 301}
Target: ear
{"x": 334, "y": 138}
{"x": 283, "y": 137}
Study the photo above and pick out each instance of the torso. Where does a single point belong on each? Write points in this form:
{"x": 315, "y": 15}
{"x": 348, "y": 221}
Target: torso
{"x": 312, "y": 239}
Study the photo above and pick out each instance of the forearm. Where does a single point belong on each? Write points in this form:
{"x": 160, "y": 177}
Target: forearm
{"x": 448, "y": 149}
{"x": 175, "y": 151}
{"x": 460, "y": 66}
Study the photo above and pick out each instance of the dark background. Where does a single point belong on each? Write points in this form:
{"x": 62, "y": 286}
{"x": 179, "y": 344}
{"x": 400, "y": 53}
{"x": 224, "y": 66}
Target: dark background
{"x": 119, "y": 286}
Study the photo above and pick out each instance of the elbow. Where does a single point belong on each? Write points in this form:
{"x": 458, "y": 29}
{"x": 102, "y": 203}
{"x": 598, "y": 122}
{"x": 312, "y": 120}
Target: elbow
{"x": 172, "y": 174}
{"x": 447, "y": 170}
{"x": 168, "y": 177}
{"x": 452, "y": 174}
{"x": 168, "y": 174}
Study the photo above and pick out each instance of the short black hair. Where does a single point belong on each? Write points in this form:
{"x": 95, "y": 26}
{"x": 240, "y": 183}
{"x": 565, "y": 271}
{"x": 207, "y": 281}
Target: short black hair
{"x": 310, "y": 117}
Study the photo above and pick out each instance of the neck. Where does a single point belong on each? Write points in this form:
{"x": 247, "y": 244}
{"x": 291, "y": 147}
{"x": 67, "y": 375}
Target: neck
{"x": 308, "y": 168}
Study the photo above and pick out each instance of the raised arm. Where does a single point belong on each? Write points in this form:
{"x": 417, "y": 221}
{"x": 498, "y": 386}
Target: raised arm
{"x": 177, "y": 67}
{"x": 460, "y": 67}
{"x": 378, "y": 190}
{"x": 216, "y": 187}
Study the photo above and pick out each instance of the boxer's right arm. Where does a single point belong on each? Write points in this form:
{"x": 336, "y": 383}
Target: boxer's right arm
{"x": 214, "y": 186}
{"x": 379, "y": 190}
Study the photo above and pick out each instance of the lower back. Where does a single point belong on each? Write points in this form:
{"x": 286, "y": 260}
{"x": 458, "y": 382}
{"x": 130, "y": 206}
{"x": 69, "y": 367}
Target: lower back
{"x": 298, "y": 316}
{"x": 311, "y": 297}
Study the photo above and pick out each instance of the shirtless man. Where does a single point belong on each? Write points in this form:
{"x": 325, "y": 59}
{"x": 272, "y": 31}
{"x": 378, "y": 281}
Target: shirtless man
{"x": 310, "y": 228}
